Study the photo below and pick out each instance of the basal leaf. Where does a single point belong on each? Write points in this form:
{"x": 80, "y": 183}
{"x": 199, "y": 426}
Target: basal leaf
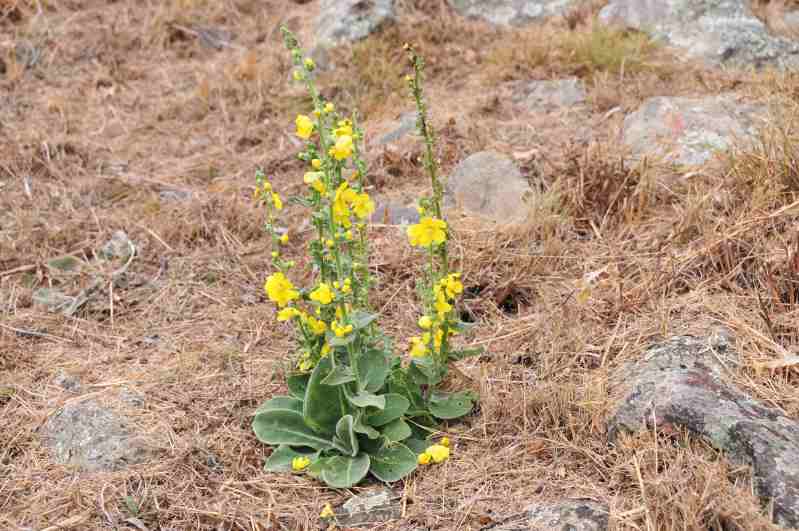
{"x": 393, "y": 463}
{"x": 283, "y": 455}
{"x": 372, "y": 369}
{"x": 280, "y": 421}
{"x": 366, "y": 399}
{"x": 323, "y": 405}
{"x": 340, "y": 471}
{"x": 396, "y": 406}
{"x": 345, "y": 438}
{"x": 451, "y": 405}
{"x": 395, "y": 431}
{"x": 339, "y": 375}
{"x": 298, "y": 383}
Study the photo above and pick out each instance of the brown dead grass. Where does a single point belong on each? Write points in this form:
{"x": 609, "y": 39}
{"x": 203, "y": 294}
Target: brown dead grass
{"x": 126, "y": 102}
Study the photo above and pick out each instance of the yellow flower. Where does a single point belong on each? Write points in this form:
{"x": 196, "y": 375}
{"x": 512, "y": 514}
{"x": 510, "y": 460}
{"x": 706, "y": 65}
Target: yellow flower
{"x": 325, "y": 350}
{"x": 345, "y": 196}
{"x": 424, "y": 459}
{"x": 439, "y": 453}
{"x": 343, "y": 147}
{"x": 305, "y": 365}
{"x": 329, "y": 107}
{"x": 280, "y": 290}
{"x": 304, "y": 126}
{"x": 323, "y": 294}
{"x": 327, "y": 512}
{"x": 427, "y": 232}
{"x": 441, "y": 305}
{"x": 317, "y": 326}
{"x": 285, "y": 238}
{"x": 348, "y": 234}
{"x": 314, "y": 178}
{"x": 344, "y": 129}
{"x": 316, "y": 164}
{"x": 418, "y": 347}
{"x": 297, "y": 75}
{"x": 339, "y": 330}
{"x": 347, "y": 286}
{"x": 300, "y": 463}
{"x": 286, "y": 314}
{"x": 362, "y": 205}
{"x": 425, "y": 322}
{"x": 329, "y": 244}
{"x": 267, "y": 186}
{"x": 277, "y": 201}
{"x": 309, "y": 64}
{"x": 420, "y": 210}
{"x": 452, "y": 285}
{"x": 444, "y": 442}
{"x": 275, "y": 254}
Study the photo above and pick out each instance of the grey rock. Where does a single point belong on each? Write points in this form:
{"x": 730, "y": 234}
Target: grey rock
{"x": 489, "y": 185}
{"x": 351, "y": 20}
{"x": 684, "y": 383}
{"x": 92, "y": 438}
{"x": 67, "y": 381}
{"x": 688, "y": 131}
{"x": 791, "y": 20}
{"x": 405, "y": 125}
{"x": 717, "y": 31}
{"x": 119, "y": 246}
{"x": 375, "y": 507}
{"x": 175, "y": 196}
{"x": 548, "y": 95}
{"x": 512, "y": 12}
{"x": 391, "y": 214}
{"x": 567, "y": 515}
{"x": 53, "y": 299}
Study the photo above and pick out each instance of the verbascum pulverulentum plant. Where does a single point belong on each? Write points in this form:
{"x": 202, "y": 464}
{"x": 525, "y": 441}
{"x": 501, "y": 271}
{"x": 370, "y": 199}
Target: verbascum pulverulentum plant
{"x": 355, "y": 406}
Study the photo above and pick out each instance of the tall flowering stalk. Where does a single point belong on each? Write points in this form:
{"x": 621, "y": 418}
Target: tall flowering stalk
{"x": 354, "y": 407}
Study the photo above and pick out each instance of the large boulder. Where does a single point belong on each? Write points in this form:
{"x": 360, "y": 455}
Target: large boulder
{"x": 717, "y": 31}
{"x": 512, "y": 12}
{"x": 93, "y": 438}
{"x": 489, "y": 185}
{"x": 688, "y": 131}
{"x": 567, "y": 515}
{"x": 684, "y": 383}
{"x": 351, "y": 20}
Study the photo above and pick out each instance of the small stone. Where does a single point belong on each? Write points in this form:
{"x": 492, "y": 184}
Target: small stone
{"x": 405, "y": 125}
{"x": 174, "y": 196}
{"x": 119, "y": 246}
{"x": 351, "y": 20}
{"x": 53, "y": 299}
{"x": 92, "y": 438}
{"x": 391, "y": 214}
{"x": 489, "y": 185}
{"x": 548, "y": 95}
{"x": 716, "y": 31}
{"x": 567, "y": 515}
{"x": 375, "y": 507}
{"x": 65, "y": 264}
{"x": 512, "y": 12}
{"x": 683, "y": 383}
{"x": 688, "y": 131}
{"x": 67, "y": 382}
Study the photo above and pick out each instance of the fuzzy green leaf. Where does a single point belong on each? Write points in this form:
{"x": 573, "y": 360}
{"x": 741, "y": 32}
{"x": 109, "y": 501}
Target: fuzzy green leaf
{"x": 365, "y": 399}
{"x": 283, "y": 455}
{"x": 345, "y": 439}
{"x": 323, "y": 406}
{"x": 395, "y": 431}
{"x": 451, "y": 405}
{"x": 365, "y": 429}
{"x": 280, "y": 421}
{"x": 456, "y": 355}
{"x": 298, "y": 383}
{"x": 393, "y": 463}
{"x": 341, "y": 472}
{"x": 372, "y": 369}
{"x": 360, "y": 319}
{"x": 396, "y": 406}
{"x": 339, "y": 375}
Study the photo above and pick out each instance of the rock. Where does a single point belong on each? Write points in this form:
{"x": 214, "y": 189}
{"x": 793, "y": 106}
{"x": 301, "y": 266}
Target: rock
{"x": 512, "y": 12}
{"x": 65, "y": 264}
{"x": 688, "y": 131}
{"x": 119, "y": 246}
{"x": 489, "y": 185}
{"x": 175, "y": 196}
{"x": 92, "y": 438}
{"x": 683, "y": 383}
{"x": 67, "y": 382}
{"x": 406, "y": 124}
{"x": 375, "y": 507}
{"x": 391, "y": 214}
{"x": 568, "y": 515}
{"x": 351, "y": 20}
{"x": 548, "y": 95}
{"x": 717, "y": 31}
{"x": 53, "y": 299}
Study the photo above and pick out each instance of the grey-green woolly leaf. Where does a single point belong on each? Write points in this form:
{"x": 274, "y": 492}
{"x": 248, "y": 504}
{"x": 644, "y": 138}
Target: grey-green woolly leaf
{"x": 340, "y": 471}
{"x": 283, "y": 455}
{"x": 345, "y": 435}
{"x": 372, "y": 369}
{"x": 274, "y": 424}
{"x": 339, "y": 375}
{"x": 298, "y": 383}
{"x": 365, "y": 399}
{"x": 393, "y": 463}
{"x": 396, "y": 406}
{"x": 395, "y": 431}
{"x": 451, "y": 405}
{"x": 323, "y": 405}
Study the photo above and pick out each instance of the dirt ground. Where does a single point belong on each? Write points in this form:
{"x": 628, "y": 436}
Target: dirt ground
{"x": 151, "y": 117}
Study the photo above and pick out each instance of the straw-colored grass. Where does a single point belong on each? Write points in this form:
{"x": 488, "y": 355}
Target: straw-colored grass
{"x": 124, "y": 104}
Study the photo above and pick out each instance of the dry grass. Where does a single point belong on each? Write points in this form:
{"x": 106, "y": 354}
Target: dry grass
{"x": 106, "y": 120}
